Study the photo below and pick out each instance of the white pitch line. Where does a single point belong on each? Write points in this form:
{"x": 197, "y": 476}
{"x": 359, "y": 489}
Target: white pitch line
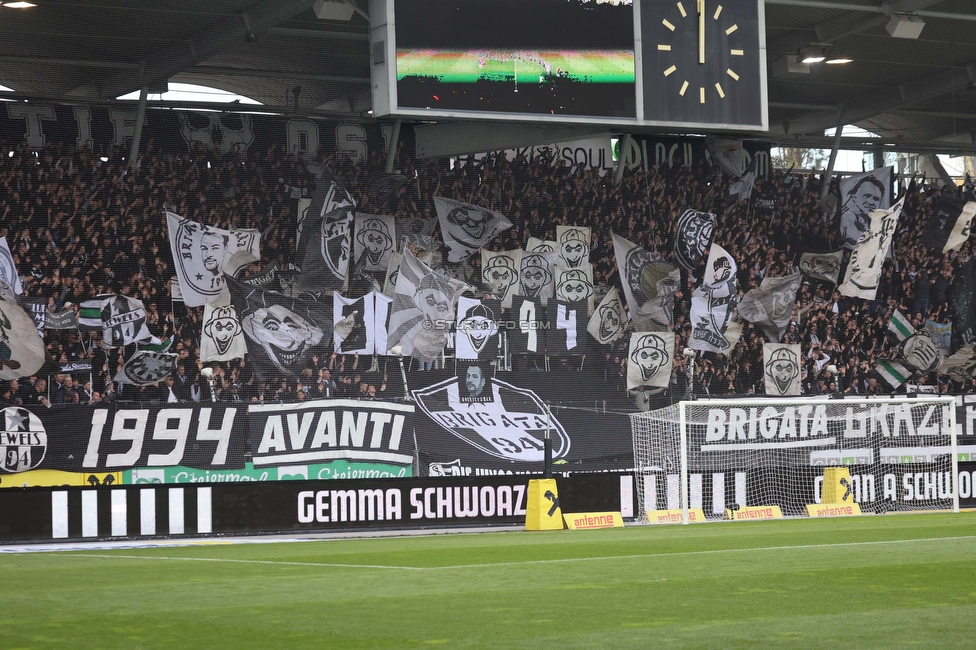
{"x": 218, "y": 559}
{"x": 525, "y": 562}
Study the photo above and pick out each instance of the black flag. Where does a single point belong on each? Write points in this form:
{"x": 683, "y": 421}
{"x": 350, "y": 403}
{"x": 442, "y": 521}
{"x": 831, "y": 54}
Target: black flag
{"x": 323, "y": 251}
{"x": 280, "y": 332}
{"x": 948, "y": 227}
{"x": 964, "y": 322}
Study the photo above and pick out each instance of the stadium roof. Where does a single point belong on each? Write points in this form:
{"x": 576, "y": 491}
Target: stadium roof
{"x": 280, "y": 53}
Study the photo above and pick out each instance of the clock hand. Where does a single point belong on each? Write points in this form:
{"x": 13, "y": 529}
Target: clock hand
{"x": 701, "y": 31}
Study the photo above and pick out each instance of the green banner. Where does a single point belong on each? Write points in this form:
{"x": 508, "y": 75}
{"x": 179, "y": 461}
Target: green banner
{"x": 339, "y": 469}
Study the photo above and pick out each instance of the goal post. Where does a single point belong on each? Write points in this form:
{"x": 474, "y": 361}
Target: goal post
{"x": 768, "y": 457}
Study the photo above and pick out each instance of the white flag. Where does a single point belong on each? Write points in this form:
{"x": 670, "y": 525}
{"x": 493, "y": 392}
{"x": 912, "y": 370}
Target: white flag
{"x": 575, "y": 285}
{"x": 771, "y": 305}
{"x": 713, "y": 304}
{"x": 500, "y": 272}
{"x": 223, "y": 337}
{"x": 124, "y": 321}
{"x": 649, "y": 285}
{"x": 476, "y": 327}
{"x": 781, "y": 365}
{"x": 867, "y": 258}
{"x": 650, "y": 359}
{"x": 536, "y": 245}
{"x": 373, "y": 241}
{"x": 145, "y": 368}
{"x": 609, "y": 319}
{"x": 354, "y": 324}
{"x": 203, "y": 255}
{"x": 423, "y": 309}
{"x": 21, "y": 347}
{"x": 860, "y": 195}
{"x": 574, "y": 245}
{"x": 8, "y": 270}
{"x": 466, "y": 227}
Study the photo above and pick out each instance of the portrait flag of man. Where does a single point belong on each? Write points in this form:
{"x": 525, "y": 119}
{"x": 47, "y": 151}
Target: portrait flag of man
{"x": 860, "y": 195}
{"x": 649, "y": 285}
{"x": 650, "y": 359}
{"x": 323, "y": 249}
{"x": 22, "y": 350}
{"x": 864, "y": 268}
{"x": 223, "y": 336}
{"x": 280, "y": 331}
{"x": 781, "y": 367}
{"x": 466, "y": 228}
{"x": 609, "y": 319}
{"x": 203, "y": 254}
{"x": 423, "y": 309}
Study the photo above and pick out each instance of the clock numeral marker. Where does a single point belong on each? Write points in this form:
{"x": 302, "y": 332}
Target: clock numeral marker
{"x": 738, "y": 53}
{"x": 731, "y": 29}
{"x": 701, "y": 94}
{"x": 732, "y": 74}
{"x": 681, "y": 8}
{"x": 718, "y": 12}
{"x": 668, "y": 72}
{"x": 684, "y": 87}
{"x": 721, "y": 93}
{"x": 667, "y": 24}
{"x": 664, "y": 48}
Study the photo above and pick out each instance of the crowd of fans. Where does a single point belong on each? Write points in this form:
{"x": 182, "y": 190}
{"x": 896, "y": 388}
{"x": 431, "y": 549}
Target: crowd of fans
{"x": 79, "y": 226}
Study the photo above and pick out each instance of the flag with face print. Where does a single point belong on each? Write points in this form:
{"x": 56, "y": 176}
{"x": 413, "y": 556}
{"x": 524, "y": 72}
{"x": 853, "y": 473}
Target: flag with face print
{"x": 466, "y": 227}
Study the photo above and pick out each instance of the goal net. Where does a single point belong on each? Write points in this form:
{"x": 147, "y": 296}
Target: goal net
{"x": 719, "y": 458}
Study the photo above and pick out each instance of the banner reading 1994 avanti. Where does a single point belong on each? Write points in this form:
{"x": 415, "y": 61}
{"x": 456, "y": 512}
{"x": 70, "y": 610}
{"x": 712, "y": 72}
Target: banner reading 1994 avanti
{"x": 198, "y": 443}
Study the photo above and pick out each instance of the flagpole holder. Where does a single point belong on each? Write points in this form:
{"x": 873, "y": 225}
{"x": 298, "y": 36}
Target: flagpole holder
{"x": 547, "y": 445}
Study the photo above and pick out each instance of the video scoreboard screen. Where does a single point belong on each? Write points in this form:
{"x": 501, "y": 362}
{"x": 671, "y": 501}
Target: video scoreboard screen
{"x": 573, "y": 61}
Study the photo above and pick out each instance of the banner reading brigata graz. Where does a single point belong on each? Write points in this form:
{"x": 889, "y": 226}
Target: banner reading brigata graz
{"x": 802, "y": 434}
{"x": 476, "y": 423}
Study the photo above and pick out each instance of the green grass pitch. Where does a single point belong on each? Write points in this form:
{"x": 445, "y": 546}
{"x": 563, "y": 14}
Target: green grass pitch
{"x": 876, "y": 581}
{"x": 455, "y": 66}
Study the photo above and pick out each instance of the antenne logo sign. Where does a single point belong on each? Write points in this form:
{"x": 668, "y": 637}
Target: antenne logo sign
{"x": 511, "y": 426}
{"x": 23, "y": 441}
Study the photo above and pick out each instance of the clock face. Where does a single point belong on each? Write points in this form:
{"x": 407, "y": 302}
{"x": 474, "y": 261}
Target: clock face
{"x": 703, "y": 62}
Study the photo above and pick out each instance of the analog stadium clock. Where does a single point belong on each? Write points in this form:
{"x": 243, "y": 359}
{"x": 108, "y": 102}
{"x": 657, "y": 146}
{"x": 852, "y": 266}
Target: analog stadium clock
{"x": 703, "y": 62}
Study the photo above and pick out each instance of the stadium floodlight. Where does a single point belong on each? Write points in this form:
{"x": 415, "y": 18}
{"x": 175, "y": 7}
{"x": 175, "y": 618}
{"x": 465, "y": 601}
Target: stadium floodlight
{"x": 18, "y": 5}
{"x": 811, "y": 55}
{"x": 720, "y": 459}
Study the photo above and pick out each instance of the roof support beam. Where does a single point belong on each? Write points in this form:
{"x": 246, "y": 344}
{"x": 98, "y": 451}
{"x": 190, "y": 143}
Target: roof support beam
{"x": 203, "y": 44}
{"x": 226, "y": 71}
{"x": 879, "y": 101}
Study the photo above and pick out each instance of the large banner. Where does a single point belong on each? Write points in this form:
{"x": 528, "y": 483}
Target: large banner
{"x": 180, "y": 132}
{"x": 325, "y": 430}
{"x": 85, "y": 439}
{"x": 504, "y": 428}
